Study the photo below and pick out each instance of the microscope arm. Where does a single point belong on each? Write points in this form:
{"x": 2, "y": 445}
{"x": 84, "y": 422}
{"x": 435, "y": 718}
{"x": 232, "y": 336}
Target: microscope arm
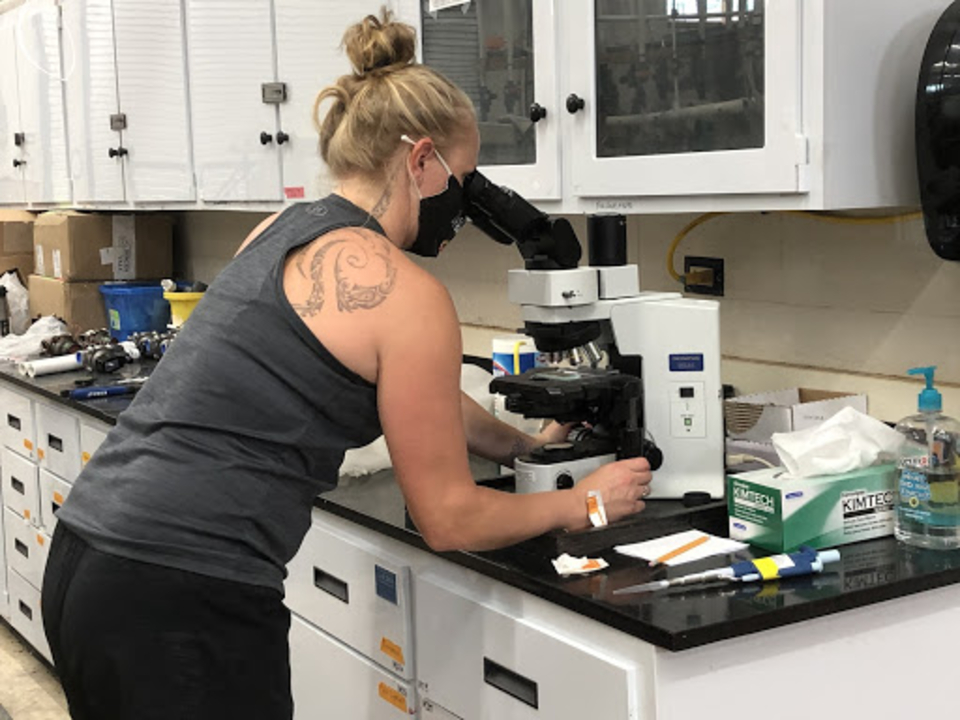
{"x": 544, "y": 242}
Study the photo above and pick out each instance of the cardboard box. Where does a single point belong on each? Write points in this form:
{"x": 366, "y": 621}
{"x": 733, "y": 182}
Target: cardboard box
{"x": 78, "y": 304}
{"x": 76, "y": 246}
{"x": 773, "y": 511}
{"x": 16, "y": 232}
{"x": 23, "y": 263}
{"x": 757, "y": 417}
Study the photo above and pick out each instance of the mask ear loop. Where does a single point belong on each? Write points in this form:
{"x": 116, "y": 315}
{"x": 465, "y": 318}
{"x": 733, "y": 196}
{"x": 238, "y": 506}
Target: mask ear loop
{"x": 406, "y": 138}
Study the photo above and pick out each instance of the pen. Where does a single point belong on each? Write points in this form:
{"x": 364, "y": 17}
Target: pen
{"x": 679, "y": 551}
{"x": 90, "y": 393}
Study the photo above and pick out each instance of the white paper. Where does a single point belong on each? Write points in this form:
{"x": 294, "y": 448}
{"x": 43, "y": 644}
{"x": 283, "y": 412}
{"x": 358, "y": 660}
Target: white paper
{"x": 442, "y": 4}
{"x": 57, "y": 265}
{"x": 570, "y": 565}
{"x": 106, "y": 256}
{"x": 124, "y": 247}
{"x": 652, "y": 549}
{"x": 38, "y": 260}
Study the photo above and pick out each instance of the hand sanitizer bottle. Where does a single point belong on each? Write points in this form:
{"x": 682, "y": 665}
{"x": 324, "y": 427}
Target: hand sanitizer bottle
{"x": 928, "y": 507}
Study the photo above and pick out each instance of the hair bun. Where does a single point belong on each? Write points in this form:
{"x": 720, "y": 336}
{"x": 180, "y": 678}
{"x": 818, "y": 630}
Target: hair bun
{"x": 379, "y": 44}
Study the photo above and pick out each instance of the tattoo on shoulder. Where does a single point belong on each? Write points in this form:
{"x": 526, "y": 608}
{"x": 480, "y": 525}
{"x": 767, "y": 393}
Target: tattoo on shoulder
{"x": 356, "y": 255}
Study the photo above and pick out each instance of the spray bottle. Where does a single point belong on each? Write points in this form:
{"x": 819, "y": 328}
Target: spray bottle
{"x": 928, "y": 508}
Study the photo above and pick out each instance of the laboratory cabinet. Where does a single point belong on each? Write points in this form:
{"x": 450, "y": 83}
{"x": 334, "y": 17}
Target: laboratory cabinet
{"x": 255, "y": 69}
{"x": 25, "y": 613}
{"x": 4, "y": 595}
{"x": 503, "y": 54}
{"x": 330, "y": 679}
{"x": 25, "y": 547}
{"x": 127, "y": 101}
{"x": 21, "y": 489}
{"x": 58, "y": 441}
{"x": 33, "y": 130}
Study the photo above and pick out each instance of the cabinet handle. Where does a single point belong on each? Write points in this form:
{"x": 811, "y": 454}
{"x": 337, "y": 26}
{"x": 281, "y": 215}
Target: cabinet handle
{"x": 331, "y": 585}
{"x": 282, "y": 137}
{"x": 574, "y": 103}
{"x": 13, "y": 421}
{"x": 19, "y": 163}
{"x": 22, "y": 548}
{"x": 537, "y": 112}
{"x": 19, "y": 139}
{"x": 513, "y": 684}
{"x": 26, "y": 610}
{"x": 265, "y": 138}
{"x": 18, "y": 485}
{"x": 117, "y": 152}
{"x": 55, "y": 443}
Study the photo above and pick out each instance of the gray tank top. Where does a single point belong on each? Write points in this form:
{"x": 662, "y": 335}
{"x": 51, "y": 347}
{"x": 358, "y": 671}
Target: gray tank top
{"x": 215, "y": 465}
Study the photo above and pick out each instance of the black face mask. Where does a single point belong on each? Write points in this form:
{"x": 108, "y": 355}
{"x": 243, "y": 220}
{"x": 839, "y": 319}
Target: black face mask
{"x": 441, "y": 216}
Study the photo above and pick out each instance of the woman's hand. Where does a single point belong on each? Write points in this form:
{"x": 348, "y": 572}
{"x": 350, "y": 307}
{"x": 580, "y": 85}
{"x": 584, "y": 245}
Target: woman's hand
{"x": 622, "y": 485}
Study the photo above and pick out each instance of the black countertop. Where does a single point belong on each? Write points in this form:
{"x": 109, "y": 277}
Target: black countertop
{"x": 869, "y": 572}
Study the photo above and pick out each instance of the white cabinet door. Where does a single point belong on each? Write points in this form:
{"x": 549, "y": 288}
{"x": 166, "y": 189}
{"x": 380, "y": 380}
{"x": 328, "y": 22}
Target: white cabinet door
{"x": 39, "y": 74}
{"x": 4, "y": 595}
{"x": 503, "y": 55}
{"x": 684, "y": 106}
{"x": 11, "y": 177}
{"x": 91, "y": 79}
{"x": 231, "y": 53}
{"x": 151, "y": 75}
{"x": 309, "y": 58}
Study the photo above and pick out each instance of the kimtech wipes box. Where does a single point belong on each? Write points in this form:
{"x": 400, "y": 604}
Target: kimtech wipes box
{"x": 769, "y": 509}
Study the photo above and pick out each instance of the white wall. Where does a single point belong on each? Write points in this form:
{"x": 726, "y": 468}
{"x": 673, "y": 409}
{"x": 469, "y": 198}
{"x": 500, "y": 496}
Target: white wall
{"x": 807, "y": 302}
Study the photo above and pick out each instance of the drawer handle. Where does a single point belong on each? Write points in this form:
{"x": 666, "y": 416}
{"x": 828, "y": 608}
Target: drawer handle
{"x": 26, "y": 610}
{"x": 18, "y": 485}
{"x": 331, "y": 585}
{"x": 55, "y": 443}
{"x": 22, "y": 548}
{"x": 55, "y": 507}
{"x": 13, "y": 421}
{"x": 513, "y": 684}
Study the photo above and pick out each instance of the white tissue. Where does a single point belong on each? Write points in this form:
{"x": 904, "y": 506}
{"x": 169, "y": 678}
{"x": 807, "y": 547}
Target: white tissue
{"x": 847, "y": 441}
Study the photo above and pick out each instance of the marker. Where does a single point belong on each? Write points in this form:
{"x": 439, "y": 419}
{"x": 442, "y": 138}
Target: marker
{"x": 91, "y": 393}
{"x": 679, "y": 551}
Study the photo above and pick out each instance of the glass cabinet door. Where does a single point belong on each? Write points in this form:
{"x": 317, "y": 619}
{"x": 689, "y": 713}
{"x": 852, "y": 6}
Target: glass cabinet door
{"x": 500, "y": 52}
{"x": 683, "y": 97}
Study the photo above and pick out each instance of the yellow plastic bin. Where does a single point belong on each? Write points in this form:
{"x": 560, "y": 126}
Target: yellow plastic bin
{"x": 181, "y": 305}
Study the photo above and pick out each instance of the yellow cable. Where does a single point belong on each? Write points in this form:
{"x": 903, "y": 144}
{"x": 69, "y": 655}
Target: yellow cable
{"x": 823, "y": 217}
{"x": 679, "y": 238}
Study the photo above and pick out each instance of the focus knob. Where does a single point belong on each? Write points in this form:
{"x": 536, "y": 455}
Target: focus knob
{"x": 564, "y": 481}
{"x": 282, "y": 137}
{"x": 537, "y": 112}
{"x": 266, "y": 138}
{"x": 574, "y": 103}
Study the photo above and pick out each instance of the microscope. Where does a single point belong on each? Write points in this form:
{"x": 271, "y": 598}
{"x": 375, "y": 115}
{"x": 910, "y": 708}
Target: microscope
{"x": 639, "y": 372}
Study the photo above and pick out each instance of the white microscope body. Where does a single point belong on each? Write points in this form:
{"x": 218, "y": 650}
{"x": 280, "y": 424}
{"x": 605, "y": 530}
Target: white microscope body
{"x": 677, "y": 341}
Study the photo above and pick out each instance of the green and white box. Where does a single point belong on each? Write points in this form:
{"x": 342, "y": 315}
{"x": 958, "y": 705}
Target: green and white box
{"x": 772, "y": 510}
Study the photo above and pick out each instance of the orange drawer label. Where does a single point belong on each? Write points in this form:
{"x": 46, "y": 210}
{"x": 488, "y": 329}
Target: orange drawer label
{"x": 40, "y": 540}
{"x": 28, "y": 445}
{"x": 40, "y": 453}
{"x": 58, "y": 498}
{"x": 85, "y": 457}
{"x": 26, "y": 514}
{"x": 393, "y": 696}
{"x": 391, "y": 650}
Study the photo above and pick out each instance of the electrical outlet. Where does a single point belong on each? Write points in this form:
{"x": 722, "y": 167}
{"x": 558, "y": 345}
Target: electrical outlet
{"x": 703, "y": 275}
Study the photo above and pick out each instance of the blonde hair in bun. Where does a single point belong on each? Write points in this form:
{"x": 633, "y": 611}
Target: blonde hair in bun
{"x": 387, "y": 95}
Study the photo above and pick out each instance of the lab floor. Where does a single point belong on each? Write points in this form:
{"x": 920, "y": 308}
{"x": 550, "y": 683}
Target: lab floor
{"x": 28, "y": 688}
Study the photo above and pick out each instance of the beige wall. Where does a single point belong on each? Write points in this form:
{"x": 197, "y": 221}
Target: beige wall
{"x": 807, "y": 302}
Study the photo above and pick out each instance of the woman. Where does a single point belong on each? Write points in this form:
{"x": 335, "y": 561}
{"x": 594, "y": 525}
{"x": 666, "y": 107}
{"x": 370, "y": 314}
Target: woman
{"x": 163, "y": 592}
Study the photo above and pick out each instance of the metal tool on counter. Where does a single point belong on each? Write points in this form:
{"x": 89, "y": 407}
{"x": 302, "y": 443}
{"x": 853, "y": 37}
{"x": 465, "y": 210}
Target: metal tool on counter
{"x": 122, "y": 387}
{"x": 805, "y": 561}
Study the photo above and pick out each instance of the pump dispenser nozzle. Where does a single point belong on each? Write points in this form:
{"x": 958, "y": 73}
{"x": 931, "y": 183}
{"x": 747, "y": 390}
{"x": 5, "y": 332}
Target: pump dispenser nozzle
{"x": 929, "y": 399}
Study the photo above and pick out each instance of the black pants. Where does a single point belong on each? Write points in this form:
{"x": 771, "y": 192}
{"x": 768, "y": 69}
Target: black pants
{"x": 136, "y": 641}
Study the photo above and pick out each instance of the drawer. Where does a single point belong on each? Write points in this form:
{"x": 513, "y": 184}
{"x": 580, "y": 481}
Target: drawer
{"x": 4, "y": 595}
{"x": 356, "y": 593}
{"x": 21, "y": 491}
{"x": 26, "y": 548}
{"x": 53, "y": 493}
{"x": 58, "y": 441}
{"x": 91, "y": 438}
{"x": 19, "y": 432}
{"x": 330, "y": 680}
{"x": 25, "y": 613}
{"x": 476, "y": 661}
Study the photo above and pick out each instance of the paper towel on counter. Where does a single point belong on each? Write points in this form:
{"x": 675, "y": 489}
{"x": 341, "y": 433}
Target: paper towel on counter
{"x": 847, "y": 441}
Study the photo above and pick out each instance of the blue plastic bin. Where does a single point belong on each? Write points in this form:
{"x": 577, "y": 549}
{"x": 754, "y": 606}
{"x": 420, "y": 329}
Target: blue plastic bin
{"x": 134, "y": 307}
